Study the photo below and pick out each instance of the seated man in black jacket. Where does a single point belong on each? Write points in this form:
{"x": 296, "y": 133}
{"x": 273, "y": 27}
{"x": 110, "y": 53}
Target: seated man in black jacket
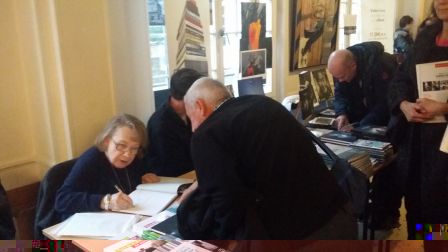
{"x": 259, "y": 175}
{"x": 169, "y": 130}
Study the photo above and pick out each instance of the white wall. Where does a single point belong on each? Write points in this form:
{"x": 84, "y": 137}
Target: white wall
{"x": 66, "y": 68}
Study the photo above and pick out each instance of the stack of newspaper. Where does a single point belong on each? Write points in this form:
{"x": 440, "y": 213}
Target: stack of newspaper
{"x": 356, "y": 158}
{"x": 376, "y": 149}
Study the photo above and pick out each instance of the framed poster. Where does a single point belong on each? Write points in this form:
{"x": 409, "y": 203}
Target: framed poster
{"x": 253, "y": 63}
{"x": 314, "y": 32}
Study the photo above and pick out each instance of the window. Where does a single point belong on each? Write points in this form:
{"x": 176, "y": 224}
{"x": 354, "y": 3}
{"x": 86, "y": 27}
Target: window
{"x": 230, "y": 35}
{"x": 348, "y": 7}
{"x": 228, "y": 32}
{"x": 158, "y": 44}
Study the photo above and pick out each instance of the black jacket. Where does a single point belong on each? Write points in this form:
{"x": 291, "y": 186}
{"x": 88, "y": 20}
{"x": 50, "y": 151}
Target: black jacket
{"x": 423, "y": 165}
{"x": 259, "y": 176}
{"x": 364, "y": 99}
{"x": 169, "y": 144}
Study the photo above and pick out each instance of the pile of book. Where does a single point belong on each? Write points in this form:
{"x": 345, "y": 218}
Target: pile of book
{"x": 356, "y": 158}
{"x": 339, "y": 137}
{"x": 377, "y": 149}
{"x": 191, "y": 51}
{"x": 371, "y": 132}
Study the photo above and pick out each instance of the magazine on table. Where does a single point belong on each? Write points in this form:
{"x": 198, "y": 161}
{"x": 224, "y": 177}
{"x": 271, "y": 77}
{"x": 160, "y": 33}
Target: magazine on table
{"x": 432, "y": 83}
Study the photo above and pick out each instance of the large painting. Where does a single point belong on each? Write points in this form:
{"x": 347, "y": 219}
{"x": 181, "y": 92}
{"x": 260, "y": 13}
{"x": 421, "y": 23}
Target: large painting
{"x": 314, "y": 32}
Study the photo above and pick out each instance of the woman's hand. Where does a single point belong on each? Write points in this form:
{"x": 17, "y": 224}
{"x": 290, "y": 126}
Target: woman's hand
{"x": 120, "y": 201}
{"x": 150, "y": 178}
{"x": 414, "y": 112}
{"x": 433, "y": 108}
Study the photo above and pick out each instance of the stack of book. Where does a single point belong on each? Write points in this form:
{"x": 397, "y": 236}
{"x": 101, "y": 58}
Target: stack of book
{"x": 377, "y": 149}
{"x": 191, "y": 52}
{"x": 356, "y": 158}
{"x": 371, "y": 132}
{"x": 339, "y": 137}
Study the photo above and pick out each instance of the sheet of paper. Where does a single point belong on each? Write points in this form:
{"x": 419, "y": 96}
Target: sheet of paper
{"x": 101, "y": 224}
{"x": 149, "y": 202}
{"x": 166, "y": 184}
{"x": 444, "y": 144}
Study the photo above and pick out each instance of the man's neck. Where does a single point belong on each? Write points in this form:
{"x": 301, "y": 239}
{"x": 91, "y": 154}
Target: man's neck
{"x": 179, "y": 108}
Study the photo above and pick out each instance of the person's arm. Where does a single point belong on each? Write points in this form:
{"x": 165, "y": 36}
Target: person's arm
{"x": 216, "y": 170}
{"x": 74, "y": 194}
{"x": 341, "y": 102}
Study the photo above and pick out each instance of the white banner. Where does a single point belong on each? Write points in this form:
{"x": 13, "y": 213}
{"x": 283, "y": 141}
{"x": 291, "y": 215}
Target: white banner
{"x": 378, "y": 22}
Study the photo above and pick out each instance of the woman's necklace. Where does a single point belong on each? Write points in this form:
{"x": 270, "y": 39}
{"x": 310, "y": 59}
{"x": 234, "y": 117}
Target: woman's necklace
{"x": 128, "y": 186}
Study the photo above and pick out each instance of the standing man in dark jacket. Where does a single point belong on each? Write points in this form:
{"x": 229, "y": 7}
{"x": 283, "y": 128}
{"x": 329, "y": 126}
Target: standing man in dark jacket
{"x": 169, "y": 130}
{"x": 362, "y": 75}
{"x": 259, "y": 174}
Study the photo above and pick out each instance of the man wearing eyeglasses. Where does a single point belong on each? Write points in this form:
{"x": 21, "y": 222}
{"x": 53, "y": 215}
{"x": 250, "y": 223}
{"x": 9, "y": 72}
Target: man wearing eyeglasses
{"x": 169, "y": 130}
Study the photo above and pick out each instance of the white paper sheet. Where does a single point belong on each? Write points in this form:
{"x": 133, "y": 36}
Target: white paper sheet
{"x": 102, "y": 224}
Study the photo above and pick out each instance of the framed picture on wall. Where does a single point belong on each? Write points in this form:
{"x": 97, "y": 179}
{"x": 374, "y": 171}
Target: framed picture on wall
{"x": 253, "y": 63}
{"x": 314, "y": 26}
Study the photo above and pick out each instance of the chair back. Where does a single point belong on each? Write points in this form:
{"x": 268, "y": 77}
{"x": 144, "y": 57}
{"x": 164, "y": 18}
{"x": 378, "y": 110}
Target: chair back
{"x": 46, "y": 214}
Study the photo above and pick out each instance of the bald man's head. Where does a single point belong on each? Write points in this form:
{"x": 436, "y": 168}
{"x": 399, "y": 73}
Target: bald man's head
{"x": 202, "y": 99}
{"x": 342, "y": 65}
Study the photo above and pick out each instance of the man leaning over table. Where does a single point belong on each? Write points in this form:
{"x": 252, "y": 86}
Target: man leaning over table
{"x": 258, "y": 174}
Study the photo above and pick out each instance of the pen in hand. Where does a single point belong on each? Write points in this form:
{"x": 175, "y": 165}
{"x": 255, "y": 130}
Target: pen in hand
{"x": 118, "y": 189}
{"x": 129, "y": 200}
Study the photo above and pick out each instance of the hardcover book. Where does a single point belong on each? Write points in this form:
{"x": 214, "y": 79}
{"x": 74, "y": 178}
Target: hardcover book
{"x": 339, "y": 137}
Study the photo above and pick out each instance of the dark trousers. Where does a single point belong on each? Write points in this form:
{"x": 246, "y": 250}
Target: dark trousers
{"x": 387, "y": 190}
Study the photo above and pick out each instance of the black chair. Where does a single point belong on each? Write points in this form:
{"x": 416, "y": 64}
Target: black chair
{"x": 46, "y": 215}
{"x": 7, "y": 229}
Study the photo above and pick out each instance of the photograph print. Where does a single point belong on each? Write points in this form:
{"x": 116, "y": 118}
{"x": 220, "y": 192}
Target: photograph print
{"x": 253, "y": 63}
{"x": 314, "y": 32}
{"x": 322, "y": 86}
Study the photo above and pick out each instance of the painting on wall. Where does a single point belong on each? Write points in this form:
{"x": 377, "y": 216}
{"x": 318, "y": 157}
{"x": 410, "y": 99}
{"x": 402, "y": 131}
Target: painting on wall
{"x": 253, "y": 63}
{"x": 253, "y": 23}
{"x": 314, "y": 32}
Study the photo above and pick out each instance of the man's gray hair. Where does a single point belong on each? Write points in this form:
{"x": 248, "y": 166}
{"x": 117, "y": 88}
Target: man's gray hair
{"x": 213, "y": 92}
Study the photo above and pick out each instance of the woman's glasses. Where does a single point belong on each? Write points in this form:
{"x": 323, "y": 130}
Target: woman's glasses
{"x": 123, "y": 148}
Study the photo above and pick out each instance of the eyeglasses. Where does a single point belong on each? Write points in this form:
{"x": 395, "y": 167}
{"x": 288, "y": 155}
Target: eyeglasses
{"x": 123, "y": 148}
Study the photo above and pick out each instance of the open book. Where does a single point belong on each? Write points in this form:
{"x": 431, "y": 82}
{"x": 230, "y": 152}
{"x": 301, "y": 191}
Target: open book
{"x": 152, "y": 198}
{"x": 432, "y": 83}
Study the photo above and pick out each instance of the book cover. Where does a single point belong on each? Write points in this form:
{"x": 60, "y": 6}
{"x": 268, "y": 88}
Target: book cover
{"x": 168, "y": 227}
{"x": 371, "y": 132}
{"x": 371, "y": 144}
{"x": 324, "y": 121}
{"x": 163, "y": 245}
{"x": 340, "y": 137}
{"x": 432, "y": 83}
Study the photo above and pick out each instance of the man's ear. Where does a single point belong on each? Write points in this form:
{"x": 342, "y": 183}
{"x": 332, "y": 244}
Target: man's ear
{"x": 203, "y": 108}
